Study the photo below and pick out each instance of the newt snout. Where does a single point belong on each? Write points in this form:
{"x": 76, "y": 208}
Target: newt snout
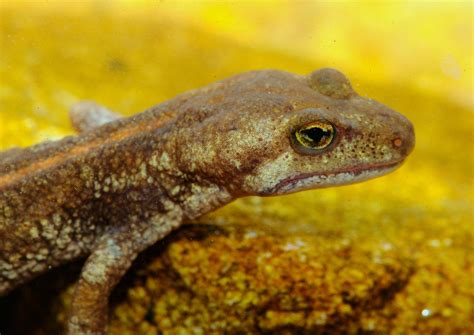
{"x": 404, "y": 140}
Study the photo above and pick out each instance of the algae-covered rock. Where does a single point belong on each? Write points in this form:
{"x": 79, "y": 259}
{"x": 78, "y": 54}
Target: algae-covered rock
{"x": 243, "y": 279}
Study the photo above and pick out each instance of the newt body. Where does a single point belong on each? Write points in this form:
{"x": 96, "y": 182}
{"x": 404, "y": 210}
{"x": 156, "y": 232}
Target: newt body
{"x": 124, "y": 183}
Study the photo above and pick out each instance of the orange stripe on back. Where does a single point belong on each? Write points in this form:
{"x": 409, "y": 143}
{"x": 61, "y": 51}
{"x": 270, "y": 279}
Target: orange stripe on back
{"x": 117, "y": 136}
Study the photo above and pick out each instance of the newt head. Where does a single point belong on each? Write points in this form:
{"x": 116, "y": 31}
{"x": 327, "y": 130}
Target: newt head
{"x": 273, "y": 133}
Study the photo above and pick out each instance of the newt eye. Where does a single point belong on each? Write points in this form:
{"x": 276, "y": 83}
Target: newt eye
{"x": 312, "y": 137}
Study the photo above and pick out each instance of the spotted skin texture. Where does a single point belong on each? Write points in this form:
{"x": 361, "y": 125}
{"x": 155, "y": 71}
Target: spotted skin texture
{"x": 124, "y": 183}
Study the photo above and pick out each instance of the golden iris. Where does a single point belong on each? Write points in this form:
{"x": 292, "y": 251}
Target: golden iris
{"x": 315, "y": 135}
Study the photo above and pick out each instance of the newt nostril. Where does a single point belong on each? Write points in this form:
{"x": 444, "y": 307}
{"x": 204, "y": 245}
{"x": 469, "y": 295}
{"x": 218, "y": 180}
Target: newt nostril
{"x": 397, "y": 142}
{"x": 404, "y": 141}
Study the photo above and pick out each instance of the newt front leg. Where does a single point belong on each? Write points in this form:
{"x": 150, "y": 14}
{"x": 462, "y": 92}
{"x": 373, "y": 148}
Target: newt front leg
{"x": 109, "y": 260}
{"x": 116, "y": 249}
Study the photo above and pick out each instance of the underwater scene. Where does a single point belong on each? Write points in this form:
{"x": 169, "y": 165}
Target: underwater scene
{"x": 390, "y": 255}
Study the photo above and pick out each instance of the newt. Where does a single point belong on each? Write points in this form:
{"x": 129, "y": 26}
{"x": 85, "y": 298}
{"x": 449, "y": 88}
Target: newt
{"x": 122, "y": 184}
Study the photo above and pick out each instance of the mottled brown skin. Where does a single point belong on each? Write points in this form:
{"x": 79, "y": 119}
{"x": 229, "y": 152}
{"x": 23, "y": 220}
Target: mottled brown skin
{"x": 123, "y": 184}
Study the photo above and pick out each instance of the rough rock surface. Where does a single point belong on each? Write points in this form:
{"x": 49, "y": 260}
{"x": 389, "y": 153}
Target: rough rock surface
{"x": 241, "y": 279}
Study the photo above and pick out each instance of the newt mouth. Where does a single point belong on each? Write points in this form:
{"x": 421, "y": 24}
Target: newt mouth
{"x": 355, "y": 174}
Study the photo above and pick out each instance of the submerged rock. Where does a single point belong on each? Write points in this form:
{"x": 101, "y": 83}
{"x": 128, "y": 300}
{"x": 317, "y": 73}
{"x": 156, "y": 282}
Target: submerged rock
{"x": 243, "y": 279}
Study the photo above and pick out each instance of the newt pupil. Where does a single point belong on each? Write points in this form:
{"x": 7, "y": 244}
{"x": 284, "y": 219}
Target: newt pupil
{"x": 316, "y": 135}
